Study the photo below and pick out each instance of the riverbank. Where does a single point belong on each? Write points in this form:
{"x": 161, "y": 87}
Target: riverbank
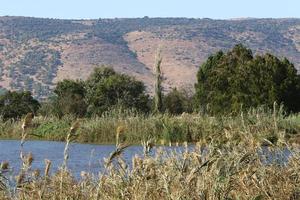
{"x": 260, "y": 124}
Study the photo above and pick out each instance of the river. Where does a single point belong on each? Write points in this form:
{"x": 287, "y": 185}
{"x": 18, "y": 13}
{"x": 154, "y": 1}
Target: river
{"x": 87, "y": 157}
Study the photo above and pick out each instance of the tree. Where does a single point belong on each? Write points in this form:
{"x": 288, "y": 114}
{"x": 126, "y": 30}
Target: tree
{"x": 105, "y": 89}
{"x": 177, "y": 102}
{"x": 69, "y": 98}
{"x": 229, "y": 82}
{"x": 158, "y": 88}
{"x": 16, "y": 104}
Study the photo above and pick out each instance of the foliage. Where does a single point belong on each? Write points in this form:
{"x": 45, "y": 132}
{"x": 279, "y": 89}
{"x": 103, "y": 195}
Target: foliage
{"x": 105, "y": 89}
{"x": 229, "y": 82}
{"x": 16, "y": 104}
{"x": 70, "y": 98}
{"x": 177, "y": 102}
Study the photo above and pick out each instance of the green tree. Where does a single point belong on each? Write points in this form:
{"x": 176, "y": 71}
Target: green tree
{"x": 69, "y": 98}
{"x": 177, "y": 101}
{"x": 105, "y": 89}
{"x": 230, "y": 81}
{"x": 16, "y": 104}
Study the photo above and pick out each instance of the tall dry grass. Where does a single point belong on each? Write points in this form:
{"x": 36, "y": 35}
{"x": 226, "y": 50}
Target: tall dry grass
{"x": 226, "y": 162}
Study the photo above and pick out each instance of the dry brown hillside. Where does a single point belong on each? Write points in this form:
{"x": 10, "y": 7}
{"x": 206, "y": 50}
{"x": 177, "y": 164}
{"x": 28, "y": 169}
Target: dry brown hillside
{"x": 36, "y": 53}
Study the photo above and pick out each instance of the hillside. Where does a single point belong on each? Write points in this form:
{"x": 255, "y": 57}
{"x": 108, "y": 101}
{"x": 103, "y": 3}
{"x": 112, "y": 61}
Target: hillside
{"x": 36, "y": 53}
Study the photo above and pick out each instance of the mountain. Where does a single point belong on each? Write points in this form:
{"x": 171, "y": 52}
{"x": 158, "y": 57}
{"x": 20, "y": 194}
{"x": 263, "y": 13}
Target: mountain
{"x": 35, "y": 53}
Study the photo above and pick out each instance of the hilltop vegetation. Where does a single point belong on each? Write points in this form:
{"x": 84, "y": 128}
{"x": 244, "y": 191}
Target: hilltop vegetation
{"x": 37, "y": 53}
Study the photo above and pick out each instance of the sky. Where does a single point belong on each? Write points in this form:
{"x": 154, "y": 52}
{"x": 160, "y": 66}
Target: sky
{"x": 93, "y": 9}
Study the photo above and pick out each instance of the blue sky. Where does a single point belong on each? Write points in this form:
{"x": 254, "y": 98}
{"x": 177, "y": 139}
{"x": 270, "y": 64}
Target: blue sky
{"x": 91, "y": 9}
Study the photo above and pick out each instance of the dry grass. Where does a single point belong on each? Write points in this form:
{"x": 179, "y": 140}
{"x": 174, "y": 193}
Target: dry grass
{"x": 219, "y": 167}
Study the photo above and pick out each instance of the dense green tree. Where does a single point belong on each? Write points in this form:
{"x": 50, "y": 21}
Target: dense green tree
{"x": 177, "y": 101}
{"x": 105, "y": 89}
{"x": 16, "y": 104}
{"x": 69, "y": 98}
{"x": 69, "y": 86}
{"x": 230, "y": 81}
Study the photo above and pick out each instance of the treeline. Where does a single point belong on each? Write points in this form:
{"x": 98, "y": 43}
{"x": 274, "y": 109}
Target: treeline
{"x": 227, "y": 83}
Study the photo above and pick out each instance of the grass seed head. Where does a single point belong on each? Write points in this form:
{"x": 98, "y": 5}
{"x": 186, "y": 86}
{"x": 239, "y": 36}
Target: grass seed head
{"x": 120, "y": 134}
{"x": 36, "y": 173}
{"x": 29, "y": 159}
{"x": 27, "y": 121}
{"x": 75, "y": 126}
{"x": 4, "y": 165}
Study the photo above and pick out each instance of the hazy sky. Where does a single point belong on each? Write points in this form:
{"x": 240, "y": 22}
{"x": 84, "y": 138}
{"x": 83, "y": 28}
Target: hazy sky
{"x": 220, "y": 9}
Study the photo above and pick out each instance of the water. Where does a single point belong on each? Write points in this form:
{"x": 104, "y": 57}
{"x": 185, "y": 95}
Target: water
{"x": 82, "y": 157}
{"x": 89, "y": 157}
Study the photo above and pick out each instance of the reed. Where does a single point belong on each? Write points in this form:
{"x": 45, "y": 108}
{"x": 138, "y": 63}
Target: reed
{"x": 259, "y": 123}
{"x": 225, "y": 161}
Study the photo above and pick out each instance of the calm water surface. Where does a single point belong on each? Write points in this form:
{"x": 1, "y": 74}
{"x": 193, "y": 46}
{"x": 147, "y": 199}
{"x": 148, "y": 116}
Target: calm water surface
{"x": 89, "y": 157}
{"x": 82, "y": 157}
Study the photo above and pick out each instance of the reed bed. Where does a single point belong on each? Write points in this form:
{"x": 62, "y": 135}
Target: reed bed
{"x": 224, "y": 163}
{"x": 260, "y": 123}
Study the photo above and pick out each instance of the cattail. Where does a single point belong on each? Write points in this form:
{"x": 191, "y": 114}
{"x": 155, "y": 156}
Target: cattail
{"x": 4, "y": 165}
{"x": 47, "y": 168}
